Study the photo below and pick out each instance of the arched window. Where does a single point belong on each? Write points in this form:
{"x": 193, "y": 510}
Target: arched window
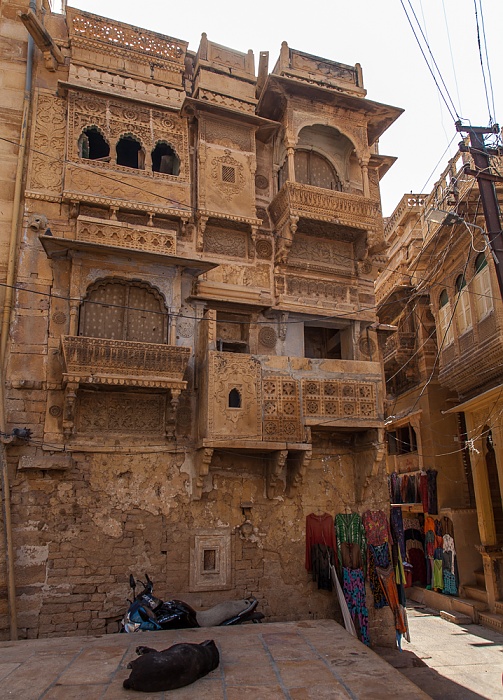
{"x": 463, "y": 310}
{"x": 130, "y": 153}
{"x": 444, "y": 317}
{"x": 122, "y": 310}
{"x": 92, "y": 144}
{"x": 234, "y": 399}
{"x": 165, "y": 160}
{"x": 313, "y": 169}
{"x": 482, "y": 286}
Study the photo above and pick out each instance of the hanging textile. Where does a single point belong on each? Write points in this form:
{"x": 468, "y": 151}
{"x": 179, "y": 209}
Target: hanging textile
{"x": 319, "y": 530}
{"x": 377, "y": 556}
{"x": 346, "y": 615}
{"x": 349, "y": 529}
{"x": 432, "y": 491}
{"x": 320, "y": 548}
{"x": 397, "y": 531}
{"x": 353, "y": 584}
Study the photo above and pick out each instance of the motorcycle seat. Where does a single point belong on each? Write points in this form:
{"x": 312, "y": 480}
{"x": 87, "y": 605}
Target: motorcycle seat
{"x": 224, "y": 611}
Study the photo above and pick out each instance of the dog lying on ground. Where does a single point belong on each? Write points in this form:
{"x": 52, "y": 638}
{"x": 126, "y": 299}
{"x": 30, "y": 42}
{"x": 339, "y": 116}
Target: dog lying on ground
{"x": 172, "y": 668}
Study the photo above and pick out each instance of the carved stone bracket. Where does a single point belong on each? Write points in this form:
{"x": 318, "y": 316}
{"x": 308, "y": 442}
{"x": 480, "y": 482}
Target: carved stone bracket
{"x": 171, "y": 410}
{"x": 285, "y": 239}
{"x": 202, "y": 461}
{"x": 201, "y": 228}
{"x": 69, "y": 409}
{"x": 297, "y": 467}
{"x": 275, "y": 471}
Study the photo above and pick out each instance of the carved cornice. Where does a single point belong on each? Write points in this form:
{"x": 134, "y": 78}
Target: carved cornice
{"x": 123, "y": 235}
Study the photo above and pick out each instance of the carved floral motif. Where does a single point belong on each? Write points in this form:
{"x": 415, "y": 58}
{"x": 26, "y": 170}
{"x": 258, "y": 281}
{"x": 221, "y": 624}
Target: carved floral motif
{"x": 227, "y": 174}
{"x": 48, "y": 145}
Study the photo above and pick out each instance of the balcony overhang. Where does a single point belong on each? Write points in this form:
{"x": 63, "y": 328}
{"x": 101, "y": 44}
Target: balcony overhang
{"x": 278, "y": 90}
{"x": 61, "y": 248}
{"x": 95, "y": 361}
{"x": 299, "y": 201}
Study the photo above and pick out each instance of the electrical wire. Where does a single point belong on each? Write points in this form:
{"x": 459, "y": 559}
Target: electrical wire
{"x": 450, "y": 108}
{"x": 491, "y": 120}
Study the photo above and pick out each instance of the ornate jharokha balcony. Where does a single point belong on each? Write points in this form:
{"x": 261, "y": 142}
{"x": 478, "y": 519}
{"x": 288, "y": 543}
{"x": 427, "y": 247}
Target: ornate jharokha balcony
{"x": 123, "y": 363}
{"x": 341, "y": 208}
{"x": 399, "y": 348}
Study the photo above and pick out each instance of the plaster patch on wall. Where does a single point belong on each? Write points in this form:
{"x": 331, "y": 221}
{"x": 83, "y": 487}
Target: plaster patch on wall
{"x": 32, "y": 555}
{"x": 109, "y": 526}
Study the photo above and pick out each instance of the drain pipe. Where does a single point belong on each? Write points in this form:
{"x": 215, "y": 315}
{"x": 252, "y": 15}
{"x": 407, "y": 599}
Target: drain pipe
{"x": 7, "y": 309}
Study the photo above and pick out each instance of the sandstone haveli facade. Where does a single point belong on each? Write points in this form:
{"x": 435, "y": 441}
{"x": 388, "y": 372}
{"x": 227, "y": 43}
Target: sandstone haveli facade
{"x": 193, "y": 339}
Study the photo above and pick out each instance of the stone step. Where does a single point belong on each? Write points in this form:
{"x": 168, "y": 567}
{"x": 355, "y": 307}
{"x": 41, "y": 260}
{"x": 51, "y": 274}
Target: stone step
{"x": 453, "y": 604}
{"x": 456, "y": 618}
{"x": 498, "y": 607}
{"x": 480, "y": 578}
{"x": 492, "y": 620}
{"x": 475, "y": 593}
{"x": 469, "y": 607}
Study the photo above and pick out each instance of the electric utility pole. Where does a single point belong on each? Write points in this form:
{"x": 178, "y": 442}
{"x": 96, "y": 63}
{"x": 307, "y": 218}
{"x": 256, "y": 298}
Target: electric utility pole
{"x": 486, "y": 181}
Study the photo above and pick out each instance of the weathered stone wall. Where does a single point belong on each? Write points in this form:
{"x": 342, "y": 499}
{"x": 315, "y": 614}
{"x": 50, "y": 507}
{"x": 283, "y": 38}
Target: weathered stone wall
{"x": 79, "y": 533}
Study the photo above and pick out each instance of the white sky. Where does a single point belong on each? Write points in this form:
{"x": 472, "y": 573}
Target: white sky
{"x": 376, "y": 34}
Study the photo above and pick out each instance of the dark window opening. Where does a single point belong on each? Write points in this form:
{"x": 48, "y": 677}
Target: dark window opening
{"x": 402, "y": 440}
{"x": 282, "y": 175}
{"x": 480, "y": 262}
{"x": 228, "y": 173}
{"x": 443, "y": 299}
{"x": 209, "y": 560}
{"x": 120, "y": 310}
{"x": 234, "y": 399}
{"x": 165, "y": 160}
{"x": 92, "y": 145}
{"x": 232, "y": 332}
{"x": 313, "y": 169}
{"x": 322, "y": 343}
{"x": 130, "y": 153}
{"x": 460, "y": 283}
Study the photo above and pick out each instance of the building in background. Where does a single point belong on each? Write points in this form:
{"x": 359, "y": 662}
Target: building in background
{"x": 443, "y": 369}
{"x": 192, "y": 341}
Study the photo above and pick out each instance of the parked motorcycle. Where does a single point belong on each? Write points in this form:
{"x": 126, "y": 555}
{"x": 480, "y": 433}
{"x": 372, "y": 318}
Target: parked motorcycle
{"x": 149, "y": 613}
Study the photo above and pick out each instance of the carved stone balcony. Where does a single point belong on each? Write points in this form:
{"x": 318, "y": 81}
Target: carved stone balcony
{"x": 123, "y": 235}
{"x": 319, "y": 204}
{"x": 123, "y": 363}
{"x": 399, "y": 348}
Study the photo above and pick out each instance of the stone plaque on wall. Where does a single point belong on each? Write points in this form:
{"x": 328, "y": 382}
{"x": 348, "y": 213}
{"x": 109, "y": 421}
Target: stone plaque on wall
{"x": 210, "y": 561}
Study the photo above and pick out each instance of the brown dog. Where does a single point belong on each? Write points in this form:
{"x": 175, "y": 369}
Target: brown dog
{"x": 172, "y": 668}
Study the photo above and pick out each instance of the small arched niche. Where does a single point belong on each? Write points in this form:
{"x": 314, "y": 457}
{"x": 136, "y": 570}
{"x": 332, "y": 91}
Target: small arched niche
{"x": 330, "y": 159}
{"x": 165, "y": 159}
{"x": 93, "y": 145}
{"x": 130, "y": 152}
{"x": 234, "y": 398}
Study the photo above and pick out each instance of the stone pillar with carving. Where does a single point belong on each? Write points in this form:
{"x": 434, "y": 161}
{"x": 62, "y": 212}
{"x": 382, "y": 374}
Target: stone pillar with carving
{"x": 75, "y": 295}
{"x": 290, "y": 152}
{"x": 364, "y": 164}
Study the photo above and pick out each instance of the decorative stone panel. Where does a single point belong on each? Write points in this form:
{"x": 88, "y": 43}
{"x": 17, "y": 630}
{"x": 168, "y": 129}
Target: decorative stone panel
{"x": 210, "y": 561}
{"x": 123, "y": 235}
{"x": 337, "y": 399}
{"x": 281, "y": 409}
{"x": 110, "y": 413}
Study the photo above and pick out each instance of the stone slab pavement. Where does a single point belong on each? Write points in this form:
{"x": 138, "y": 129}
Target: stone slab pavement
{"x": 312, "y": 659}
{"x": 449, "y": 661}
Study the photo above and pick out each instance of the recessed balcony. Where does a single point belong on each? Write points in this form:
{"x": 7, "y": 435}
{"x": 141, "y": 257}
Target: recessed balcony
{"x": 102, "y": 361}
{"x": 320, "y": 204}
{"x": 399, "y": 348}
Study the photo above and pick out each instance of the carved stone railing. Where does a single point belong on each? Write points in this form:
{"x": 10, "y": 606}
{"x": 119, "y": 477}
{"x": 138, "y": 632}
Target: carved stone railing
{"x": 123, "y": 363}
{"x": 399, "y": 348}
{"x": 123, "y": 235}
{"x": 409, "y": 203}
{"x": 342, "y": 208}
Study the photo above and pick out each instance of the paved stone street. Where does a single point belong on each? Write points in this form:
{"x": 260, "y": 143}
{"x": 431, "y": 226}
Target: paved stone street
{"x": 294, "y": 660}
{"x": 448, "y": 661}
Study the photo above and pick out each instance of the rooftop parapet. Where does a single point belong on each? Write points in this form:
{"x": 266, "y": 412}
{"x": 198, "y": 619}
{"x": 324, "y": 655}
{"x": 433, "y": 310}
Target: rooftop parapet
{"x": 305, "y": 67}
{"x": 104, "y": 43}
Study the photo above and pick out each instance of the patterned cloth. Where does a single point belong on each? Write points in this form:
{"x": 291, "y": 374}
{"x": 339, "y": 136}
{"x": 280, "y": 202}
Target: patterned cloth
{"x": 353, "y": 585}
{"x": 378, "y": 556}
{"x": 397, "y": 530}
{"x": 376, "y": 527}
{"x": 450, "y": 584}
{"x": 349, "y": 528}
{"x": 319, "y": 530}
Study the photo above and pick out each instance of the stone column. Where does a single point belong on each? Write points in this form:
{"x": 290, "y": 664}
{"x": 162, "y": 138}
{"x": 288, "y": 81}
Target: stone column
{"x": 290, "y": 151}
{"x": 364, "y": 163}
{"x": 480, "y": 482}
